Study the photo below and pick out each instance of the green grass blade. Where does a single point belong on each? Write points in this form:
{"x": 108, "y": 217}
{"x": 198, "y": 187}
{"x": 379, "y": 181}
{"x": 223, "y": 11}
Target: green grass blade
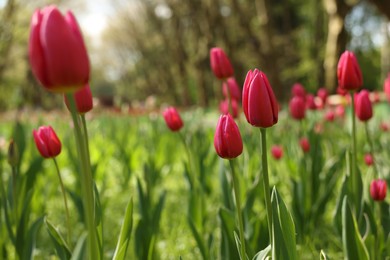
{"x": 125, "y": 233}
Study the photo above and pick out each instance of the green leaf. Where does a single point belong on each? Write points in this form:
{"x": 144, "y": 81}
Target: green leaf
{"x": 125, "y": 233}
{"x": 228, "y": 225}
{"x": 60, "y": 245}
{"x": 31, "y": 238}
{"x": 79, "y": 250}
{"x": 263, "y": 254}
{"x": 283, "y": 230}
{"x": 198, "y": 238}
{"x": 98, "y": 218}
{"x": 353, "y": 244}
{"x": 323, "y": 256}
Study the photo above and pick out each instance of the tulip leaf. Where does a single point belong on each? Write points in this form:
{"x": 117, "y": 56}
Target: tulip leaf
{"x": 60, "y": 245}
{"x": 31, "y": 238}
{"x": 323, "y": 256}
{"x": 79, "y": 250}
{"x": 263, "y": 254}
{"x": 125, "y": 233}
{"x": 283, "y": 230}
{"x": 353, "y": 244}
{"x": 198, "y": 238}
{"x": 228, "y": 225}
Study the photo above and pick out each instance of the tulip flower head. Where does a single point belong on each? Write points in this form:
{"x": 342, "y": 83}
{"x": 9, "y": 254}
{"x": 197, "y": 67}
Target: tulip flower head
{"x": 297, "y": 108}
{"x": 363, "y": 106}
{"x": 227, "y": 138}
{"x": 322, "y": 93}
{"x": 224, "y": 107}
{"x": 231, "y": 89}
{"x": 378, "y": 189}
{"x": 277, "y": 152}
{"x": 47, "y": 142}
{"x": 57, "y": 52}
{"x": 220, "y": 63}
{"x": 386, "y": 87}
{"x": 83, "y": 99}
{"x": 298, "y": 90}
{"x": 172, "y": 119}
{"x": 310, "y": 102}
{"x": 305, "y": 144}
{"x": 348, "y": 72}
{"x": 368, "y": 159}
{"x": 340, "y": 111}
{"x": 330, "y": 115}
{"x": 258, "y": 100}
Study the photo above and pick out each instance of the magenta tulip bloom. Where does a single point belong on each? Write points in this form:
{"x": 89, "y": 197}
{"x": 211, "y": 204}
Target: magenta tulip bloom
{"x": 297, "y": 108}
{"x": 172, "y": 119}
{"x": 322, "y": 93}
{"x": 227, "y": 138}
{"x": 83, "y": 99}
{"x": 231, "y": 89}
{"x": 329, "y": 115}
{"x": 57, "y": 52}
{"x": 277, "y": 152}
{"x": 220, "y": 63}
{"x": 298, "y": 90}
{"x": 368, "y": 159}
{"x": 47, "y": 142}
{"x": 348, "y": 72}
{"x": 363, "y": 106}
{"x": 310, "y": 102}
{"x": 258, "y": 100}
{"x": 305, "y": 145}
{"x": 224, "y": 107}
{"x": 386, "y": 87}
{"x": 378, "y": 189}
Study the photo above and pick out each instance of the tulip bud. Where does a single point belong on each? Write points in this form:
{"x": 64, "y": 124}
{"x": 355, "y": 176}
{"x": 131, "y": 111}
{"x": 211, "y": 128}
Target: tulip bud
{"x": 231, "y": 89}
{"x": 363, "y": 106}
{"x": 224, "y": 107}
{"x": 13, "y": 154}
{"x": 386, "y": 87}
{"x": 305, "y": 145}
{"x": 310, "y": 102}
{"x": 322, "y": 93}
{"x": 348, "y": 72}
{"x": 277, "y": 152}
{"x": 220, "y": 63}
{"x": 297, "y": 108}
{"x": 47, "y": 142}
{"x": 258, "y": 100}
{"x": 378, "y": 189}
{"x": 329, "y": 115}
{"x": 57, "y": 52}
{"x": 298, "y": 90}
{"x": 227, "y": 138}
{"x": 172, "y": 119}
{"x": 83, "y": 99}
{"x": 368, "y": 159}
{"x": 340, "y": 111}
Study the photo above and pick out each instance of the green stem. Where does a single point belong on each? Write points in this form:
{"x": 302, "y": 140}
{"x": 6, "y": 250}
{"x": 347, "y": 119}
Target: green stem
{"x": 65, "y": 201}
{"x": 354, "y": 156}
{"x": 266, "y": 180}
{"x": 371, "y": 144}
{"x": 14, "y": 192}
{"x": 86, "y": 183}
{"x": 192, "y": 172}
{"x": 84, "y": 122}
{"x": 236, "y": 189}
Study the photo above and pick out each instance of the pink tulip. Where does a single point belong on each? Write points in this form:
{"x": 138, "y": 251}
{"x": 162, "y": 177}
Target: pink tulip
{"x": 172, "y": 119}
{"x": 348, "y": 72}
{"x": 368, "y": 159}
{"x": 83, "y": 99}
{"x": 277, "y": 152}
{"x": 231, "y": 89}
{"x": 220, "y": 63}
{"x": 298, "y": 90}
{"x": 305, "y": 145}
{"x": 227, "y": 138}
{"x": 47, "y": 142}
{"x": 378, "y": 189}
{"x": 363, "y": 106}
{"x": 297, "y": 108}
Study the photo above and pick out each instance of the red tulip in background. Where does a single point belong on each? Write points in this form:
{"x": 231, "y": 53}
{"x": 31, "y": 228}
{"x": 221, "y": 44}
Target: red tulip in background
{"x": 258, "y": 100}
{"x": 83, "y": 99}
{"x": 277, "y": 152}
{"x": 386, "y": 87}
{"x": 305, "y": 145}
{"x": 322, "y": 93}
{"x": 348, "y": 72}
{"x": 57, "y": 52}
{"x": 368, "y": 159}
{"x": 297, "y": 108}
{"x": 231, "y": 89}
{"x": 340, "y": 111}
{"x": 384, "y": 127}
{"x": 310, "y": 102}
{"x": 227, "y": 138}
{"x": 224, "y": 107}
{"x": 220, "y": 63}
{"x": 329, "y": 116}
{"x": 363, "y": 106}
{"x": 172, "y": 119}
{"x": 47, "y": 142}
{"x": 378, "y": 189}
{"x": 298, "y": 90}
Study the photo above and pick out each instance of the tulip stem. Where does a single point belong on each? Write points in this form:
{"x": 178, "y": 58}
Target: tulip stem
{"x": 236, "y": 189}
{"x": 266, "y": 180}
{"x": 65, "y": 201}
{"x": 86, "y": 183}
{"x": 371, "y": 144}
{"x": 354, "y": 157}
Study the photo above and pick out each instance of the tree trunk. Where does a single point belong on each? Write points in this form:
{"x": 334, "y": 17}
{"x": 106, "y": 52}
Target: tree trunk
{"x": 6, "y": 34}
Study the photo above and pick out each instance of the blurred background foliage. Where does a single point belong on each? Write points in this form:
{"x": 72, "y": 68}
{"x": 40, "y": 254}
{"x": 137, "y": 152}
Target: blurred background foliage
{"x": 160, "y": 48}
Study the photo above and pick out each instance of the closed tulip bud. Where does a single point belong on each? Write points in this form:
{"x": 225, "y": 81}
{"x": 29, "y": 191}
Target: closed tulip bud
{"x": 305, "y": 145}
{"x": 322, "y": 93}
{"x": 13, "y": 154}
{"x": 277, "y": 152}
{"x": 83, "y": 99}
{"x": 310, "y": 102}
{"x": 47, "y": 142}
{"x": 258, "y": 100}
{"x": 386, "y": 87}
{"x": 348, "y": 72}
{"x": 368, "y": 159}
{"x": 378, "y": 189}
{"x": 297, "y": 108}
{"x": 340, "y": 111}
{"x": 227, "y": 138}
{"x": 224, "y": 107}
{"x": 220, "y": 63}
{"x": 172, "y": 119}
{"x": 231, "y": 89}
{"x": 363, "y": 106}
{"x": 57, "y": 52}
{"x": 298, "y": 90}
